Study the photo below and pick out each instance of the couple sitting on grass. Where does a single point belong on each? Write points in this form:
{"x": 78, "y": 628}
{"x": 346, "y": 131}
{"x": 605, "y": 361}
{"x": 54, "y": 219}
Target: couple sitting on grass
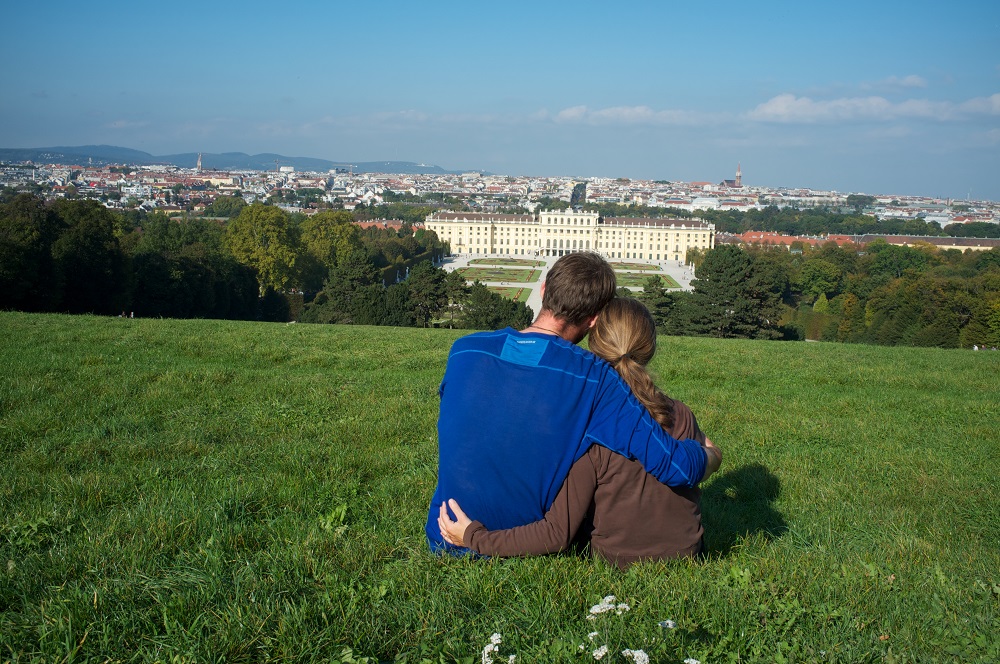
{"x": 546, "y": 444}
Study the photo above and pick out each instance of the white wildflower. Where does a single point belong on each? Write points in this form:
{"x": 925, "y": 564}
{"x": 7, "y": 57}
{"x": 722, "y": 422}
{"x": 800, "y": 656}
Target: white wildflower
{"x": 583, "y": 647}
{"x": 591, "y": 636}
{"x": 692, "y": 660}
{"x": 510, "y": 659}
{"x": 491, "y": 647}
{"x": 607, "y": 604}
{"x": 592, "y": 617}
{"x": 667, "y": 624}
{"x": 637, "y": 656}
{"x": 622, "y": 608}
{"x": 600, "y": 652}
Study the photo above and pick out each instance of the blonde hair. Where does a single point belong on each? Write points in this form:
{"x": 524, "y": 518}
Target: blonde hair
{"x": 625, "y": 336}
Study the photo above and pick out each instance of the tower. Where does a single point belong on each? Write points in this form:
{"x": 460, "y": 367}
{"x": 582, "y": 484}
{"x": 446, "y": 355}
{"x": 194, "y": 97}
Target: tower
{"x": 198, "y": 166}
{"x": 739, "y": 175}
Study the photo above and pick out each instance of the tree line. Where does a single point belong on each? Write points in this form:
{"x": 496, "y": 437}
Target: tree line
{"x": 885, "y": 294}
{"x": 77, "y": 256}
{"x": 820, "y": 221}
{"x": 80, "y": 257}
{"x": 264, "y": 263}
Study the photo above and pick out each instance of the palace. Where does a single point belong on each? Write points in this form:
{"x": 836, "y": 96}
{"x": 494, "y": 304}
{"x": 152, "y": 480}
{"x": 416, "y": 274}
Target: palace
{"x": 560, "y": 232}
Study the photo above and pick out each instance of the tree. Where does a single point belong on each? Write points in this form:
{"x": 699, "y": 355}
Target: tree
{"x": 653, "y": 285}
{"x": 325, "y": 236}
{"x": 671, "y": 310}
{"x": 456, "y": 290}
{"x": 973, "y": 229}
{"x": 988, "y": 260}
{"x": 342, "y": 297}
{"x": 860, "y": 202}
{"x": 225, "y": 206}
{"x": 398, "y": 311}
{"x": 29, "y": 280}
{"x": 892, "y": 261}
{"x": 819, "y": 277}
{"x": 486, "y": 310}
{"x": 694, "y": 256}
{"x": 88, "y": 254}
{"x": 733, "y": 297}
{"x": 428, "y": 294}
{"x": 262, "y": 237}
{"x": 852, "y": 320}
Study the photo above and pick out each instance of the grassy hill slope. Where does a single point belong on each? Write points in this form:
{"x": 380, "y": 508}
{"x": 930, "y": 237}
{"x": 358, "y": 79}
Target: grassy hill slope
{"x": 206, "y": 490}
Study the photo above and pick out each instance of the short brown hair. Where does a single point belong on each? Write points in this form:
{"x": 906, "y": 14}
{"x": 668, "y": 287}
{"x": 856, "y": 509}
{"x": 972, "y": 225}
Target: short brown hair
{"x": 578, "y": 286}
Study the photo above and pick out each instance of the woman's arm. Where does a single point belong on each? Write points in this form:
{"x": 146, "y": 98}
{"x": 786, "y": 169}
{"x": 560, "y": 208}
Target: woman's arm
{"x": 713, "y": 456}
{"x": 553, "y": 533}
{"x": 686, "y": 426}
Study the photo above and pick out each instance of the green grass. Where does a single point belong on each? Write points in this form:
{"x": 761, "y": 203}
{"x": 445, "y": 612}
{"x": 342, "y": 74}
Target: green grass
{"x": 499, "y": 274}
{"x": 638, "y": 279}
{"x": 622, "y": 265}
{"x": 204, "y": 490}
{"x": 516, "y": 294}
{"x": 524, "y": 262}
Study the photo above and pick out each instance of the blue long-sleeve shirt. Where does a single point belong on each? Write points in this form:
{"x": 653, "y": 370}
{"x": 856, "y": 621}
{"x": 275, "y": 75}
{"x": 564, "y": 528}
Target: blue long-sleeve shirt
{"x": 518, "y": 409}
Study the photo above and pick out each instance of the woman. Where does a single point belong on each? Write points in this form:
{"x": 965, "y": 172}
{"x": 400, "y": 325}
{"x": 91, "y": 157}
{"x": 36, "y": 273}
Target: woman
{"x": 632, "y": 516}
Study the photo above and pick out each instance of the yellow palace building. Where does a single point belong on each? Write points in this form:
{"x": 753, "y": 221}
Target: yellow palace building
{"x": 559, "y": 232}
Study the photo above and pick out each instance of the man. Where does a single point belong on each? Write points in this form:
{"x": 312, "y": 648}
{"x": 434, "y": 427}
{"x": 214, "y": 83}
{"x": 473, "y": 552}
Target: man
{"x": 519, "y": 408}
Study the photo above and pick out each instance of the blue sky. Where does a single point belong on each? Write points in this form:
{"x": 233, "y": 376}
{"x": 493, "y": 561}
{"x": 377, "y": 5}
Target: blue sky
{"x": 890, "y": 97}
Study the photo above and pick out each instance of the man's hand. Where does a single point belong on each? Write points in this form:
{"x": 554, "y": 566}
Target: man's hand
{"x": 713, "y": 458}
{"x": 453, "y": 532}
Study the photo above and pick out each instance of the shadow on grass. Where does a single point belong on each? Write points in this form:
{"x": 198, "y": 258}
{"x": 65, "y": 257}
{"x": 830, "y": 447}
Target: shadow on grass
{"x": 739, "y": 505}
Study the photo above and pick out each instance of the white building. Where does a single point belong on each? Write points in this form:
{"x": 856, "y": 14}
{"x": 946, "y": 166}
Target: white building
{"x": 560, "y": 232}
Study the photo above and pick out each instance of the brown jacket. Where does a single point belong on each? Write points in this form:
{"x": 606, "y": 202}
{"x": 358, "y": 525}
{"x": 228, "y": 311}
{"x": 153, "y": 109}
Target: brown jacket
{"x": 634, "y": 516}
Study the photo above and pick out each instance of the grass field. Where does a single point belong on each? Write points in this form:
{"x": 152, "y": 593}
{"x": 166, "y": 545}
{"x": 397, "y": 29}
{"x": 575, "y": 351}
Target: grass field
{"x": 519, "y": 276}
{"x": 621, "y": 265}
{"x": 229, "y": 491}
{"x": 516, "y": 294}
{"x": 522, "y": 262}
{"x": 634, "y": 279}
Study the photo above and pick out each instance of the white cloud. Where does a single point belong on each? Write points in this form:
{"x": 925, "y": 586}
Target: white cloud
{"x": 127, "y": 124}
{"x": 911, "y": 81}
{"x": 787, "y": 108}
{"x": 986, "y": 105}
{"x": 572, "y": 114}
{"x": 896, "y": 83}
{"x": 634, "y": 115}
{"x": 406, "y": 115}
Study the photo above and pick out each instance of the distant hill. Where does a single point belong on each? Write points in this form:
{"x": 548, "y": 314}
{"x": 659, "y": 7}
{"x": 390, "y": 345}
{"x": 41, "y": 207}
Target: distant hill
{"x": 227, "y": 161}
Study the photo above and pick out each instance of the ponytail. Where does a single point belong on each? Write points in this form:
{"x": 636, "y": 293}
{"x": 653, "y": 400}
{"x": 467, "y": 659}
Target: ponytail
{"x": 625, "y": 336}
{"x": 659, "y": 405}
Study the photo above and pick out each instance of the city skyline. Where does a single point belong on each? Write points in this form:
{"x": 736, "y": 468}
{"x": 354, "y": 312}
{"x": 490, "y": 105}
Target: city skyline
{"x": 883, "y": 99}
